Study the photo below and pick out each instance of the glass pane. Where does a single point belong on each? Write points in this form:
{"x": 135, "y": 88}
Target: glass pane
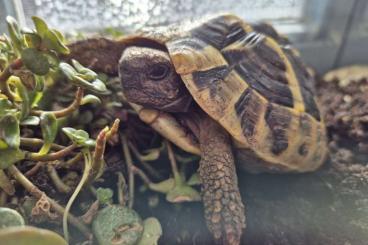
{"x": 132, "y": 14}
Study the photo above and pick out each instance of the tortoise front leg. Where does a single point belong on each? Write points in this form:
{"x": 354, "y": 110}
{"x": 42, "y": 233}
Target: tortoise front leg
{"x": 224, "y": 210}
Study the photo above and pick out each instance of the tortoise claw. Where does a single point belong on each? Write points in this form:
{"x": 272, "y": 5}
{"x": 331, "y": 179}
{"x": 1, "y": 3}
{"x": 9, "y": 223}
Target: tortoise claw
{"x": 224, "y": 213}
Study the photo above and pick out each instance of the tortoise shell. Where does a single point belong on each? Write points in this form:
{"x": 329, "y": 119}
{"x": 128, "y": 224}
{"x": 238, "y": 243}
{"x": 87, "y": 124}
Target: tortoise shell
{"x": 251, "y": 81}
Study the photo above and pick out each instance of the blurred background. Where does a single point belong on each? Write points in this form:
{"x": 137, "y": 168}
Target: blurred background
{"x": 329, "y": 33}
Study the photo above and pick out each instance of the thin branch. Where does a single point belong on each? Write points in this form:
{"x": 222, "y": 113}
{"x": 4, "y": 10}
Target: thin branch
{"x": 52, "y": 156}
{"x": 59, "y": 184}
{"x": 3, "y": 198}
{"x": 66, "y": 111}
{"x": 148, "y": 167}
{"x": 35, "y": 142}
{"x": 73, "y": 161}
{"x": 121, "y": 188}
{"x": 141, "y": 174}
{"x": 31, "y": 188}
{"x": 129, "y": 162}
{"x": 34, "y": 169}
{"x": 5, "y": 184}
{"x": 173, "y": 163}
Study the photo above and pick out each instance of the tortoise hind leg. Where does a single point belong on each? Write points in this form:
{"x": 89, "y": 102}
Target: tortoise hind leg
{"x": 224, "y": 210}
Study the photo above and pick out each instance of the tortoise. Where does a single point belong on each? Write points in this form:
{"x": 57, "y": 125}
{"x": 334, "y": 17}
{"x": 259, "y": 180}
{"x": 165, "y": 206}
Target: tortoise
{"x": 235, "y": 93}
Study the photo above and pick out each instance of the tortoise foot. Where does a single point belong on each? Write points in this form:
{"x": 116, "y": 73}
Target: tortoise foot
{"x": 224, "y": 213}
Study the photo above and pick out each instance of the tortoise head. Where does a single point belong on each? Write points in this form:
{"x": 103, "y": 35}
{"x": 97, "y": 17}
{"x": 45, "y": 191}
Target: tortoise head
{"x": 149, "y": 79}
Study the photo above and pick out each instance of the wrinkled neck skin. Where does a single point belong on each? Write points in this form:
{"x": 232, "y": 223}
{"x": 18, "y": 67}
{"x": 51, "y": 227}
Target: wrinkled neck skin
{"x": 194, "y": 119}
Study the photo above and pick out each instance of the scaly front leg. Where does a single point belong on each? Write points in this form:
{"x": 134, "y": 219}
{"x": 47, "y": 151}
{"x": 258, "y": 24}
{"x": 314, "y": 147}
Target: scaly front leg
{"x": 224, "y": 210}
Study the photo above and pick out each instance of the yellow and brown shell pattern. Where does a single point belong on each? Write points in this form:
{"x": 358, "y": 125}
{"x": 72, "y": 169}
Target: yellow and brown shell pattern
{"x": 250, "y": 80}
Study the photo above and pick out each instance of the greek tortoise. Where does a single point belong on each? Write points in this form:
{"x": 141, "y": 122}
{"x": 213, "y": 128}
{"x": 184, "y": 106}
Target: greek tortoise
{"x": 223, "y": 89}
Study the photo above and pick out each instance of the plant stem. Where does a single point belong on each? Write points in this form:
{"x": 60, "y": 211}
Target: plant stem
{"x": 129, "y": 162}
{"x": 35, "y": 142}
{"x": 68, "y": 110}
{"x": 59, "y": 184}
{"x": 3, "y": 197}
{"x": 121, "y": 188}
{"x": 5, "y": 184}
{"x": 174, "y": 166}
{"x": 141, "y": 174}
{"x": 86, "y": 172}
{"x": 72, "y": 161}
{"x": 148, "y": 167}
{"x": 34, "y": 169}
{"x": 52, "y": 156}
{"x": 31, "y": 188}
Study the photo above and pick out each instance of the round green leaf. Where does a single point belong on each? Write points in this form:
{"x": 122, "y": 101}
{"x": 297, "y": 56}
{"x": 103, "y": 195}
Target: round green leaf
{"x": 35, "y": 61}
{"x": 90, "y": 99}
{"x": 22, "y": 92}
{"x": 99, "y": 86}
{"x": 41, "y": 26}
{"x": 40, "y": 83}
{"x": 5, "y": 106}
{"x": 9, "y": 156}
{"x": 49, "y": 128}
{"x": 10, "y": 217}
{"x": 9, "y": 130}
{"x": 152, "y": 231}
{"x": 33, "y": 40}
{"x": 183, "y": 193}
{"x": 52, "y": 41}
{"x": 194, "y": 180}
{"x": 79, "y": 137}
{"x": 68, "y": 71}
{"x": 85, "y": 73}
{"x": 31, "y": 121}
{"x": 59, "y": 35}
{"x": 164, "y": 186}
{"x": 117, "y": 225}
{"x": 151, "y": 154}
{"x": 104, "y": 195}
{"x": 28, "y": 235}
{"x": 52, "y": 58}
{"x": 15, "y": 34}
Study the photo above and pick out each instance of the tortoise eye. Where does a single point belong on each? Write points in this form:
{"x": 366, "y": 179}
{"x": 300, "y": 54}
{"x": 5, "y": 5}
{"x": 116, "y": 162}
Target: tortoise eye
{"x": 158, "y": 72}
